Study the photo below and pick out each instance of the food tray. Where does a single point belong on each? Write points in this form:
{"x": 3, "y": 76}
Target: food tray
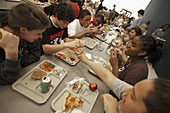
{"x": 31, "y": 87}
{"x": 68, "y": 56}
{"x": 101, "y": 62}
{"x": 89, "y": 42}
{"x": 100, "y": 37}
{"x": 85, "y": 94}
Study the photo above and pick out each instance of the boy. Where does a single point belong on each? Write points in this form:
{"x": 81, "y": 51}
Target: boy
{"x": 78, "y": 28}
{"x": 97, "y": 23}
{"x": 51, "y": 42}
{"x": 138, "y": 21}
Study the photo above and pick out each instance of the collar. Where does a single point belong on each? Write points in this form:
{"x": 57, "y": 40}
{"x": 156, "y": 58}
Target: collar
{"x": 53, "y": 22}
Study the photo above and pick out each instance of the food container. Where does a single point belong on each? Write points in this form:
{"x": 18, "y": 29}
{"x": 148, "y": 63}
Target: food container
{"x": 85, "y": 94}
{"x": 69, "y": 56}
{"x": 31, "y": 88}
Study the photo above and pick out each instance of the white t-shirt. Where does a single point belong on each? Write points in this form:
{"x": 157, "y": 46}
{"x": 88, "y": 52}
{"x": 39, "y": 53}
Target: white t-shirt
{"x": 118, "y": 86}
{"x": 74, "y": 28}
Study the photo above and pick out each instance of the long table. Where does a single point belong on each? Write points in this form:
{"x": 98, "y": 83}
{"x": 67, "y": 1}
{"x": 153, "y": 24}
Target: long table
{"x": 14, "y": 102}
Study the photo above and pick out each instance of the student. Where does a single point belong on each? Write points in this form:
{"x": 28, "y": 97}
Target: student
{"x": 52, "y": 38}
{"x": 100, "y": 6}
{"x": 144, "y": 27}
{"x": 136, "y": 31}
{"x": 18, "y": 40}
{"x": 97, "y": 23}
{"x": 114, "y": 8}
{"x": 136, "y": 69}
{"x": 78, "y": 28}
{"x": 147, "y": 96}
{"x": 126, "y": 23}
{"x": 159, "y": 35}
{"x": 138, "y": 21}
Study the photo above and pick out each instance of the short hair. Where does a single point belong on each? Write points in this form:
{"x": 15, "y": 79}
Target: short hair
{"x": 137, "y": 30}
{"x": 141, "y": 12}
{"x": 27, "y": 15}
{"x": 101, "y": 17}
{"x": 64, "y": 11}
{"x": 84, "y": 13}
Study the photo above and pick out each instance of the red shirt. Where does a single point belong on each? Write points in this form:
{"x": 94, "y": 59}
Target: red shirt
{"x": 76, "y": 8}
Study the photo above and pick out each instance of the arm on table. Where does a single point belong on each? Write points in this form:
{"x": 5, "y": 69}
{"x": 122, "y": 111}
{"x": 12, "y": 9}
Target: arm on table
{"x": 49, "y": 49}
{"x": 103, "y": 73}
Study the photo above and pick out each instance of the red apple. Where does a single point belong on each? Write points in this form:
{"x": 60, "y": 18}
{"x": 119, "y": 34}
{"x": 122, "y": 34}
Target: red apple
{"x": 93, "y": 86}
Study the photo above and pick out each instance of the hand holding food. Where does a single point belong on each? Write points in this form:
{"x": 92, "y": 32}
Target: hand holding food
{"x": 113, "y": 59}
{"x": 83, "y": 58}
{"x": 110, "y": 103}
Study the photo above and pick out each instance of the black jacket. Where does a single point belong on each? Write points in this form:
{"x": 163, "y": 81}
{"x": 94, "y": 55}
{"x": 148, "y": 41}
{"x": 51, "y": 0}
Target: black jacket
{"x": 10, "y": 70}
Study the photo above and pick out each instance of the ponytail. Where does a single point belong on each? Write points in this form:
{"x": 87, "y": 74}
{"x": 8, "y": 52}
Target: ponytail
{"x": 154, "y": 53}
{"x": 155, "y": 56}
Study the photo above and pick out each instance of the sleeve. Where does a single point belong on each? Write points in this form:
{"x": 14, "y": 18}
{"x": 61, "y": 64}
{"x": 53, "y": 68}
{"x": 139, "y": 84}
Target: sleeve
{"x": 118, "y": 86}
{"x": 9, "y": 71}
{"x": 71, "y": 29}
{"x": 33, "y": 53}
{"x": 46, "y": 38}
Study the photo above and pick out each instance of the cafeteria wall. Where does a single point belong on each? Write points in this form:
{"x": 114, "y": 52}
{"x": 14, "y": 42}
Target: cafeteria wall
{"x": 158, "y": 13}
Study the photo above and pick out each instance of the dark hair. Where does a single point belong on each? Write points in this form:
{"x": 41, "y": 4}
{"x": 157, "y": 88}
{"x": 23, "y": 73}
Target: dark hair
{"x": 27, "y": 15}
{"x": 148, "y": 22}
{"x": 165, "y": 25}
{"x": 75, "y": 1}
{"x": 101, "y": 17}
{"x": 84, "y": 13}
{"x": 64, "y": 11}
{"x": 137, "y": 30}
{"x": 149, "y": 45}
{"x": 141, "y": 12}
{"x": 158, "y": 99}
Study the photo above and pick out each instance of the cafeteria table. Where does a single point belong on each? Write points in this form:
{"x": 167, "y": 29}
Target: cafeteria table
{"x": 12, "y": 101}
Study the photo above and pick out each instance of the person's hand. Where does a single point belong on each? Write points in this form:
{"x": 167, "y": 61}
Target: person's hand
{"x": 75, "y": 44}
{"x": 113, "y": 59}
{"x": 91, "y": 31}
{"x": 83, "y": 58}
{"x": 110, "y": 103}
{"x": 80, "y": 43}
{"x": 8, "y": 41}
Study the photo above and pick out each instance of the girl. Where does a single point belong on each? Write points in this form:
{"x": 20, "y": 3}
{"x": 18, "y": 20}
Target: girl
{"x": 18, "y": 40}
{"x": 147, "y": 96}
{"x": 159, "y": 35}
{"x": 136, "y": 68}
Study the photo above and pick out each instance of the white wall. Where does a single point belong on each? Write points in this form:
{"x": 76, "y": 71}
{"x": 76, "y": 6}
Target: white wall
{"x": 130, "y": 5}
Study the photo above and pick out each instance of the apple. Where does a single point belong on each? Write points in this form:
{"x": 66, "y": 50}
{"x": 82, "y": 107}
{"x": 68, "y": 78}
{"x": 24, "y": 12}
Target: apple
{"x": 93, "y": 86}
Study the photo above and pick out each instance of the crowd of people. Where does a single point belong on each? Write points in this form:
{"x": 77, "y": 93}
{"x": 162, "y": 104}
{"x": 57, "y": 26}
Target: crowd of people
{"x": 30, "y": 31}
